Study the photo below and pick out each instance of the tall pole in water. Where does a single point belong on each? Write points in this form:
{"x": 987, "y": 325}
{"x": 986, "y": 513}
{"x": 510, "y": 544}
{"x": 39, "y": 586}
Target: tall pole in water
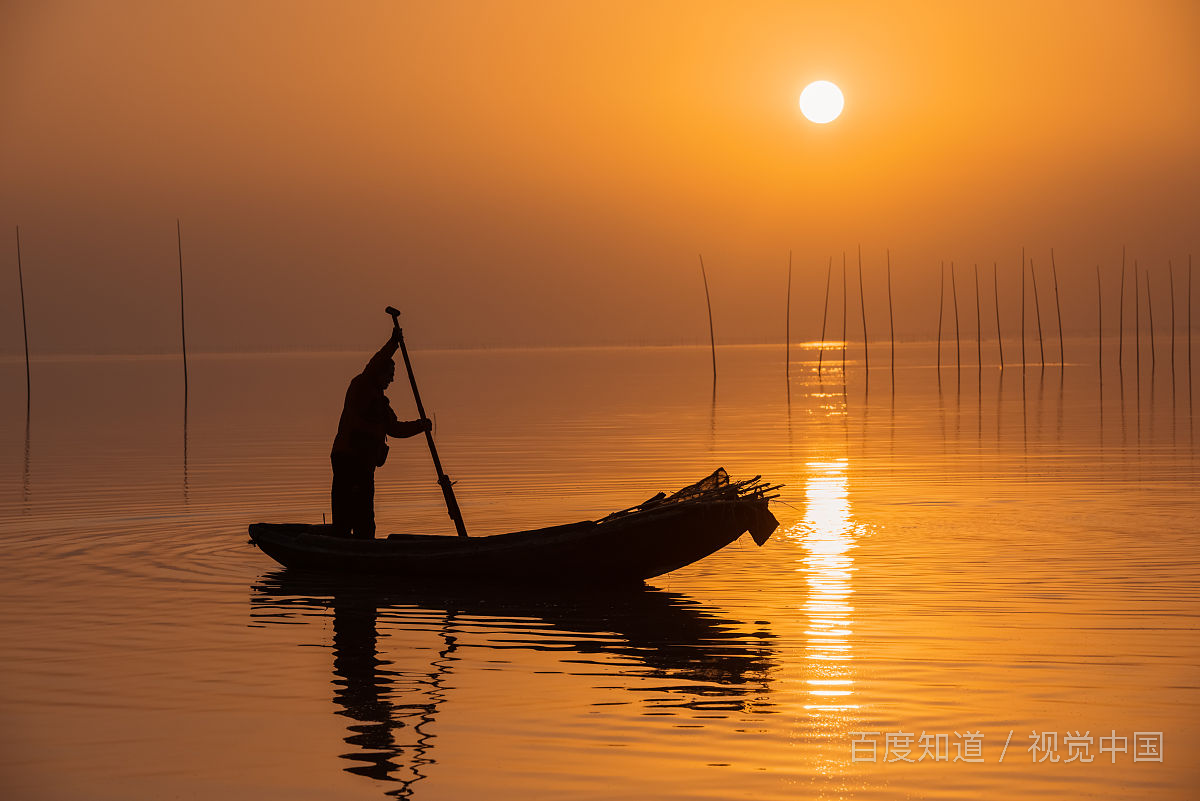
{"x": 182, "y": 324}
{"x": 787, "y": 324}
{"x": 996, "y": 295}
{"x": 25, "y": 327}
{"x": 957, "y": 340}
{"x": 891, "y": 318}
{"x": 824, "y": 317}
{"x": 712, "y": 338}
{"x": 1121, "y": 316}
{"x": 862, "y": 305}
{"x": 1150, "y": 308}
{"x": 843, "y": 317}
{"x": 1137, "y": 322}
{"x": 1099, "y": 320}
{"x": 1037, "y": 309}
{"x": 1058, "y": 308}
{"x": 941, "y": 305}
{"x": 1171, "y": 279}
{"x": 978, "y": 323}
{"x": 1023, "y": 308}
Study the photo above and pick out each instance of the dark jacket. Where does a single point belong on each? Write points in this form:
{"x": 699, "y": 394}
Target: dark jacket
{"x": 367, "y": 417}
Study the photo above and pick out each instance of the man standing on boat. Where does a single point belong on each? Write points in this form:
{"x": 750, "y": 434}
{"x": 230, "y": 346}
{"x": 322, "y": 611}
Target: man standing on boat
{"x": 360, "y": 446}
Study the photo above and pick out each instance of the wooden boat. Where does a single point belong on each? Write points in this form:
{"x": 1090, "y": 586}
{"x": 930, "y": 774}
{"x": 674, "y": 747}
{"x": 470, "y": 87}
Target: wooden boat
{"x": 657, "y": 536}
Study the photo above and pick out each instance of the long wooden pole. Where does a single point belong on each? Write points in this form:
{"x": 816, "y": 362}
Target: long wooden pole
{"x": 787, "y": 324}
{"x": 862, "y": 305}
{"x": 1121, "y": 316}
{"x": 712, "y": 337}
{"x": 1099, "y": 320}
{"x": 891, "y": 318}
{"x": 941, "y": 305}
{"x": 24, "y": 325}
{"x": 1037, "y": 309}
{"x": 443, "y": 480}
{"x": 824, "y": 317}
{"x": 996, "y": 296}
{"x": 1171, "y": 280}
{"x": 1150, "y": 307}
{"x": 1058, "y": 310}
{"x": 1189, "y": 315}
{"x": 1023, "y": 361}
{"x": 978, "y": 323}
{"x": 957, "y": 339}
{"x": 1137, "y": 322}
{"x": 843, "y": 316}
{"x": 182, "y": 324}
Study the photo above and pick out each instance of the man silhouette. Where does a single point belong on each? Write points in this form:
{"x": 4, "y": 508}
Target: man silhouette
{"x": 360, "y": 445}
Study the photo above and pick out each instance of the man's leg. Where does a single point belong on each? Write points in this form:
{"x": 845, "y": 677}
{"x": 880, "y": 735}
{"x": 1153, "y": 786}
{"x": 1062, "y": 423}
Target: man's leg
{"x": 341, "y": 495}
{"x": 364, "y": 500}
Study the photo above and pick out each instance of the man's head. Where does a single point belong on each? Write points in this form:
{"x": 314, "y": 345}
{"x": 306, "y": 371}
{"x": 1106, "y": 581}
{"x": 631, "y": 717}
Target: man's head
{"x": 381, "y": 370}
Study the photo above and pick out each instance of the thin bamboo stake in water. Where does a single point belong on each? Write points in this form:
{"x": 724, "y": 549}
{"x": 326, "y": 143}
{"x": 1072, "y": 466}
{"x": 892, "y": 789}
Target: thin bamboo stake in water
{"x": 941, "y": 304}
{"x": 1022, "y": 308}
{"x": 182, "y": 325}
{"x": 957, "y": 339}
{"x": 996, "y": 296}
{"x": 891, "y": 318}
{"x": 24, "y": 326}
{"x": 1150, "y": 307}
{"x": 1099, "y": 321}
{"x": 824, "y": 317}
{"x": 843, "y": 316}
{"x": 1121, "y": 316}
{"x": 1137, "y": 323}
{"x": 1037, "y": 309}
{"x": 862, "y": 305}
{"x": 1171, "y": 280}
{"x": 787, "y": 324}
{"x": 1058, "y": 310}
{"x": 978, "y": 323}
{"x": 712, "y": 338}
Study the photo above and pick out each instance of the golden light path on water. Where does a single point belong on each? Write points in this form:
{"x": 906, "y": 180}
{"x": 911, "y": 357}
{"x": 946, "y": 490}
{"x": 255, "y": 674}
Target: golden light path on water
{"x": 828, "y": 566}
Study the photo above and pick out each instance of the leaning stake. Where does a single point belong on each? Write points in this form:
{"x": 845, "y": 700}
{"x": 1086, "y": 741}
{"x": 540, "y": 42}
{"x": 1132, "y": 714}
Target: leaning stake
{"x": 1121, "y": 316}
{"x": 1099, "y": 320}
{"x": 787, "y": 324}
{"x": 957, "y": 340}
{"x": 443, "y": 480}
{"x": 1171, "y": 279}
{"x": 941, "y": 304}
{"x": 978, "y": 323}
{"x": 1037, "y": 310}
{"x": 1058, "y": 308}
{"x": 712, "y": 338}
{"x": 891, "y": 318}
{"x": 1150, "y": 308}
{"x": 182, "y": 325}
{"x": 843, "y": 317}
{"x": 25, "y": 328}
{"x": 824, "y": 317}
{"x": 862, "y": 304}
{"x": 996, "y": 295}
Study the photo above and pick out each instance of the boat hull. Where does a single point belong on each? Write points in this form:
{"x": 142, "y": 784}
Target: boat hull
{"x": 630, "y": 548}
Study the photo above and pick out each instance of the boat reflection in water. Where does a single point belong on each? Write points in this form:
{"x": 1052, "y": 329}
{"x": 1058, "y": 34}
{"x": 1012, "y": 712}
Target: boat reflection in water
{"x": 693, "y": 659}
{"x": 828, "y": 537}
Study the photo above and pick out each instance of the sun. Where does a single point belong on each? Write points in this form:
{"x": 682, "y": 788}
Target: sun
{"x": 821, "y": 101}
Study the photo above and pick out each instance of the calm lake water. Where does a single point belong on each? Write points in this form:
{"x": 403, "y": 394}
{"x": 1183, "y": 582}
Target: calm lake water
{"x": 963, "y": 569}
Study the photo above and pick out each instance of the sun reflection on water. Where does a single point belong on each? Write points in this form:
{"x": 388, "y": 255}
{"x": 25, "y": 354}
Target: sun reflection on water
{"x": 827, "y": 532}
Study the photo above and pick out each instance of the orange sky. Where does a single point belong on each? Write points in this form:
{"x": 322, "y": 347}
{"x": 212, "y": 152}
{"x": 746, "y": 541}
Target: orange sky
{"x": 514, "y": 173}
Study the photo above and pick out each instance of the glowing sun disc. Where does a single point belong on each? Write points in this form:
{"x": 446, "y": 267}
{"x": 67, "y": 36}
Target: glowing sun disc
{"x": 821, "y": 101}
